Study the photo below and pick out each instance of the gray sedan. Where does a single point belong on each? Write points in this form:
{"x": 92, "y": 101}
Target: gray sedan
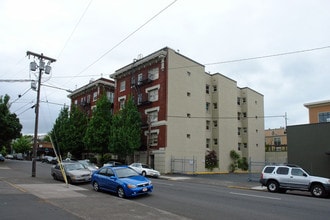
{"x": 75, "y": 173}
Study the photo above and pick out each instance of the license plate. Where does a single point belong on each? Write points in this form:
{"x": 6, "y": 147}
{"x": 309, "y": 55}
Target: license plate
{"x": 144, "y": 189}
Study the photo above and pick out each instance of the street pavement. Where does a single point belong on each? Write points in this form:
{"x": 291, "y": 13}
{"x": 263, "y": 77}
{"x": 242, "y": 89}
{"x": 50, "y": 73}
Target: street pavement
{"x": 35, "y": 198}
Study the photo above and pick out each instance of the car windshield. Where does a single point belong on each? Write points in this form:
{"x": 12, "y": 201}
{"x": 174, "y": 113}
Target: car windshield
{"x": 74, "y": 166}
{"x": 126, "y": 172}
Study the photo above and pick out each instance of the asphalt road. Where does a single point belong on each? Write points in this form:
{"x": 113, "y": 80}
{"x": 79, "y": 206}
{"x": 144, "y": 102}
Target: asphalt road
{"x": 227, "y": 196}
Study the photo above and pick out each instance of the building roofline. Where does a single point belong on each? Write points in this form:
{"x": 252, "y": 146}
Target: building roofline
{"x": 316, "y": 104}
{"x": 102, "y": 80}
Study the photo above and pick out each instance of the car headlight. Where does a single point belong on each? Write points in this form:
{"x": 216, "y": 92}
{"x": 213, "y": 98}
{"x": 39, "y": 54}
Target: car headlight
{"x": 131, "y": 186}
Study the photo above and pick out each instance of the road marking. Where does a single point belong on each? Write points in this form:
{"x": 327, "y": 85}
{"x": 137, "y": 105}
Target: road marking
{"x": 15, "y": 186}
{"x": 264, "y": 197}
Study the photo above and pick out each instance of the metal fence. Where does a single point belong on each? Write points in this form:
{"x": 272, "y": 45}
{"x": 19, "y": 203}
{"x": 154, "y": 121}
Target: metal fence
{"x": 255, "y": 169}
{"x": 183, "y": 165}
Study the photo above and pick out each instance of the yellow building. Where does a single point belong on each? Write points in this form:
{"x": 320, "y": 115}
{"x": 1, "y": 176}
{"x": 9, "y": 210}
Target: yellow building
{"x": 318, "y": 111}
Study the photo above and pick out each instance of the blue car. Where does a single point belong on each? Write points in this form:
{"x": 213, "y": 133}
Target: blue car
{"x": 123, "y": 181}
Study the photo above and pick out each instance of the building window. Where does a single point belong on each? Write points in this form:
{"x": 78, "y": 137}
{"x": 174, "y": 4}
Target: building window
{"x": 244, "y": 100}
{"x": 215, "y": 123}
{"x": 215, "y": 141}
{"x": 139, "y": 98}
{"x": 239, "y": 131}
{"x": 110, "y": 96}
{"x": 215, "y": 105}
{"x": 239, "y": 146}
{"x": 238, "y": 116}
{"x": 132, "y": 80}
{"x": 188, "y": 136}
{"x": 188, "y": 73}
{"x": 153, "y": 141}
{"x": 324, "y": 117}
{"x": 207, "y": 88}
{"x": 94, "y": 96}
{"x": 140, "y": 78}
{"x": 122, "y": 85}
{"x": 244, "y": 114}
{"x": 245, "y": 129}
{"x": 121, "y": 103}
{"x": 208, "y": 125}
{"x": 76, "y": 102}
{"x": 188, "y": 115}
{"x": 153, "y": 116}
{"x": 245, "y": 145}
{"x": 238, "y": 100}
{"x": 188, "y": 94}
{"x": 207, "y": 106}
{"x": 277, "y": 141}
{"x": 88, "y": 98}
{"x": 208, "y": 143}
{"x": 215, "y": 88}
{"x": 153, "y": 74}
{"x": 153, "y": 95}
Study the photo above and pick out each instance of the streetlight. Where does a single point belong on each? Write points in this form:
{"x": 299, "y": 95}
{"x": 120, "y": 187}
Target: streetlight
{"x": 46, "y": 69}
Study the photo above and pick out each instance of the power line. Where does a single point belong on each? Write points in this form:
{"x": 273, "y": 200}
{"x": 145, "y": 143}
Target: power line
{"x": 128, "y": 36}
{"x": 74, "y": 29}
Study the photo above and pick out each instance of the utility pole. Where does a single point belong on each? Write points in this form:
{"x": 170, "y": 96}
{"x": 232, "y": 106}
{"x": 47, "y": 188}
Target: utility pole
{"x": 42, "y": 68}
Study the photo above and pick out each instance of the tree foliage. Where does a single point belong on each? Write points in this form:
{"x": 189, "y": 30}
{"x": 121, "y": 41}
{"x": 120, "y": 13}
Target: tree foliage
{"x": 10, "y": 127}
{"x": 126, "y": 133}
{"x": 22, "y": 144}
{"x": 97, "y": 137}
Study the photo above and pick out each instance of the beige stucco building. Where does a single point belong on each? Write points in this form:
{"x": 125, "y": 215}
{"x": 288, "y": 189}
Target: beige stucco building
{"x": 191, "y": 112}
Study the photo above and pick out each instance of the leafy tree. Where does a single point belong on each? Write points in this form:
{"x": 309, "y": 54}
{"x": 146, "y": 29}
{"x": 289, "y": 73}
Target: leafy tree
{"x": 211, "y": 160}
{"x": 10, "y": 127}
{"x": 97, "y": 137}
{"x": 23, "y": 144}
{"x": 68, "y": 132}
{"x": 60, "y": 130}
{"x": 235, "y": 157}
{"x": 126, "y": 133}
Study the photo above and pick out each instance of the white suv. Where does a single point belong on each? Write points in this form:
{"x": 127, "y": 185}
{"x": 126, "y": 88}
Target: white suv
{"x": 280, "y": 178}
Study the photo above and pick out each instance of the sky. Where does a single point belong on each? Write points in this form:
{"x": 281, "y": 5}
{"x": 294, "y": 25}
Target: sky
{"x": 279, "y": 48}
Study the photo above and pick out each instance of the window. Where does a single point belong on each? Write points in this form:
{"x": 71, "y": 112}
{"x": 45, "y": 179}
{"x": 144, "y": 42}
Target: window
{"x": 239, "y": 146}
{"x": 215, "y": 105}
{"x": 153, "y": 138}
{"x": 245, "y": 129}
{"x": 207, "y": 125}
{"x": 110, "y": 96}
{"x": 153, "y": 95}
{"x": 245, "y": 145}
{"x": 207, "y": 143}
{"x": 269, "y": 169}
{"x": 88, "y": 98}
{"x": 207, "y": 88}
{"x": 244, "y": 100}
{"x": 244, "y": 114}
{"x": 188, "y": 73}
{"x": 239, "y": 131}
{"x": 215, "y": 123}
{"x": 140, "y": 78}
{"x": 188, "y": 136}
{"x": 324, "y": 117}
{"x": 238, "y": 116}
{"x": 215, "y": 88}
{"x": 76, "y": 102}
{"x": 139, "y": 98}
{"x": 122, "y": 86}
{"x": 297, "y": 172}
{"x": 188, "y": 115}
{"x": 153, "y": 116}
{"x": 188, "y": 94}
{"x": 153, "y": 74}
{"x": 121, "y": 103}
{"x": 207, "y": 106}
{"x": 277, "y": 141}
{"x": 282, "y": 170}
{"x": 238, "y": 100}
{"x": 94, "y": 96}
{"x": 215, "y": 141}
{"x": 132, "y": 80}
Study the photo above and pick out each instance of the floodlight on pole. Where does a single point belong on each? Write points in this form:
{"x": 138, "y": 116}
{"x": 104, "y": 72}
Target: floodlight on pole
{"x": 41, "y": 67}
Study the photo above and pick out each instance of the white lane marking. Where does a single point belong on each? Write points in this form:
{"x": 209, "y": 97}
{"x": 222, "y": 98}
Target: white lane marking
{"x": 264, "y": 197}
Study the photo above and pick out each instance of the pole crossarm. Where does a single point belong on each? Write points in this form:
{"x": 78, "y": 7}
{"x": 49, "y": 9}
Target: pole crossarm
{"x": 40, "y": 56}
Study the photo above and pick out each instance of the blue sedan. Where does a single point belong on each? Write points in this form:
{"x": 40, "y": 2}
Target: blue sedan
{"x": 123, "y": 181}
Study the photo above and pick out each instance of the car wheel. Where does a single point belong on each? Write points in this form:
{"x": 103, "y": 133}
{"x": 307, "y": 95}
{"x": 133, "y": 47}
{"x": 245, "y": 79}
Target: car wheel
{"x": 96, "y": 186}
{"x": 120, "y": 192}
{"x": 144, "y": 173}
{"x": 54, "y": 176}
{"x": 317, "y": 190}
{"x": 69, "y": 179}
{"x": 272, "y": 186}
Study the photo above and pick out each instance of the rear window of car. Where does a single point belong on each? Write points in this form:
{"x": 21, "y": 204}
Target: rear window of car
{"x": 269, "y": 169}
{"x": 282, "y": 170}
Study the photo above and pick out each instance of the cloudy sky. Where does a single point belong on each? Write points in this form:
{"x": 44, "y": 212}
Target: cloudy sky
{"x": 93, "y": 38}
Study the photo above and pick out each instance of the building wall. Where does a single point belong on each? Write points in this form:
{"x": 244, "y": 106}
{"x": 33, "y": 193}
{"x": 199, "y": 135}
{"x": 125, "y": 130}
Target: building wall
{"x": 183, "y": 117}
{"x": 317, "y": 107}
{"x": 309, "y": 147}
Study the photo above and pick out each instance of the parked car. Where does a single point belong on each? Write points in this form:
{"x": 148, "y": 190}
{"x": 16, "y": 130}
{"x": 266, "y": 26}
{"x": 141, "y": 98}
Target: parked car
{"x": 9, "y": 156}
{"x": 89, "y": 165}
{"x": 280, "y": 178}
{"x": 144, "y": 170}
{"x": 123, "y": 181}
{"x": 113, "y": 164}
{"x": 75, "y": 172}
{"x": 49, "y": 159}
{"x": 2, "y": 158}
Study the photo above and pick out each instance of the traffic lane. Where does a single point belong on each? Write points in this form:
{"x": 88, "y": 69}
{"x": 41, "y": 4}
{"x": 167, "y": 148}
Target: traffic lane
{"x": 202, "y": 201}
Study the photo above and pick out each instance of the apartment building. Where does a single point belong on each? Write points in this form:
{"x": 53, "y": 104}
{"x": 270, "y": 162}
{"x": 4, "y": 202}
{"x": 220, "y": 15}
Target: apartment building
{"x": 186, "y": 112}
{"x": 86, "y": 96}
